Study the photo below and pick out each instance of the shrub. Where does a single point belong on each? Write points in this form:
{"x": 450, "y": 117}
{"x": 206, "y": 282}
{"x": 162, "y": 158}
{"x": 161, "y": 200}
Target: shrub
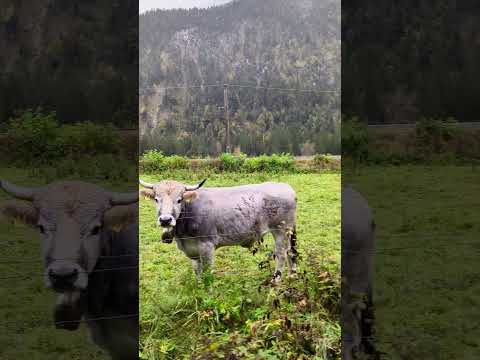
{"x": 273, "y": 163}
{"x": 151, "y": 161}
{"x": 354, "y": 139}
{"x": 175, "y": 162}
{"x": 321, "y": 160}
{"x": 88, "y": 138}
{"x": 231, "y": 162}
{"x": 154, "y": 161}
{"x": 433, "y": 135}
{"x": 32, "y": 136}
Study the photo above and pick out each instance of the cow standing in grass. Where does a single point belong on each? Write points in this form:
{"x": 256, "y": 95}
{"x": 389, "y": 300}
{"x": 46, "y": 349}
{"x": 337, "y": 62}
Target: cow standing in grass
{"x": 204, "y": 219}
{"x": 358, "y": 246}
{"x": 89, "y": 243}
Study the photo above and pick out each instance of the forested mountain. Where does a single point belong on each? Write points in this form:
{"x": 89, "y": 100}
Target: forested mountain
{"x": 280, "y": 44}
{"x": 402, "y": 60}
{"x": 77, "y": 57}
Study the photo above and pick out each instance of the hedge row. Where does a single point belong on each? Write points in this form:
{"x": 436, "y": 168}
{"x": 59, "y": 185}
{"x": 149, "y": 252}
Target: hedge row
{"x": 155, "y": 161}
{"x": 36, "y": 137}
{"x": 431, "y": 141}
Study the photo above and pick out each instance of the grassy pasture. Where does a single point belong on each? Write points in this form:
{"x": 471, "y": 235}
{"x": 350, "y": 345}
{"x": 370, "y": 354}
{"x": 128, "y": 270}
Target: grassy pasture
{"x": 238, "y": 316}
{"x": 426, "y": 288}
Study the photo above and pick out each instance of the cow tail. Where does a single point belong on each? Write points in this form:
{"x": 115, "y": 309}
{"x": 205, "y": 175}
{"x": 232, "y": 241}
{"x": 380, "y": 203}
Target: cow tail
{"x": 293, "y": 245}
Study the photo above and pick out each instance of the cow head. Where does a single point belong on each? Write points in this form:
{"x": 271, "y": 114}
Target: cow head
{"x": 70, "y": 218}
{"x": 169, "y": 196}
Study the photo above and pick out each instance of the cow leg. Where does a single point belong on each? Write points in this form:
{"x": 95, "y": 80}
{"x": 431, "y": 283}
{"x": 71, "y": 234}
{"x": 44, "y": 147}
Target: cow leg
{"x": 281, "y": 247}
{"x": 197, "y": 266}
{"x": 207, "y": 256}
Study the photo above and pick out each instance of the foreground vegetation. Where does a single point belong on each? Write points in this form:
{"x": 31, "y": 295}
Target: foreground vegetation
{"x": 236, "y": 314}
{"x": 426, "y": 290}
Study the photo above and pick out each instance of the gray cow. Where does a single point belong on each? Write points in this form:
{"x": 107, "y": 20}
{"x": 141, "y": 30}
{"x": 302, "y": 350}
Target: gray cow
{"x": 89, "y": 244}
{"x": 358, "y": 246}
{"x": 201, "y": 220}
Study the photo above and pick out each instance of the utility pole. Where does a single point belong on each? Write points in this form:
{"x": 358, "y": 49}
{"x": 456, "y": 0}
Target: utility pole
{"x": 227, "y": 118}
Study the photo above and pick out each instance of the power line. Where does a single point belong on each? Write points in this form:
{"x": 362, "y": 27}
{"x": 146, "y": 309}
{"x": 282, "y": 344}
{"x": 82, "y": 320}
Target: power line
{"x": 283, "y": 89}
{"x": 248, "y": 86}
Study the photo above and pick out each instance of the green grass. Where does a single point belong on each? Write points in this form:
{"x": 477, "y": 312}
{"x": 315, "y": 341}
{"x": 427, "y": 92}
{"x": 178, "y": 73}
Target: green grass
{"x": 426, "y": 288}
{"x": 239, "y": 315}
{"x": 27, "y": 327}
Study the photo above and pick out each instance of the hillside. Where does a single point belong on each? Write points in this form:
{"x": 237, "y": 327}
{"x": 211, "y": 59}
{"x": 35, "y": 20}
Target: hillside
{"x": 267, "y": 44}
{"x": 404, "y": 60}
{"x": 76, "y": 57}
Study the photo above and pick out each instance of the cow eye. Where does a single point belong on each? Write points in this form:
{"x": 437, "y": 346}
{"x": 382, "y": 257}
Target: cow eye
{"x": 179, "y": 200}
{"x": 95, "y": 230}
{"x": 156, "y": 200}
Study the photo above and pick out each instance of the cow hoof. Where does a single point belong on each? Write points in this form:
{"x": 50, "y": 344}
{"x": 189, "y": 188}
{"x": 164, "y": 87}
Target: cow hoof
{"x": 275, "y": 282}
{"x": 293, "y": 276}
{"x": 276, "y": 278}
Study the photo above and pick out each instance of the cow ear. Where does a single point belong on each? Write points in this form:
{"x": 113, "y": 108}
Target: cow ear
{"x": 147, "y": 194}
{"x": 121, "y": 216}
{"x": 189, "y": 196}
{"x": 19, "y": 211}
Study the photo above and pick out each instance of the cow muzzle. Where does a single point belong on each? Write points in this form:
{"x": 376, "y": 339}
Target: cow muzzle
{"x": 166, "y": 221}
{"x": 64, "y": 277}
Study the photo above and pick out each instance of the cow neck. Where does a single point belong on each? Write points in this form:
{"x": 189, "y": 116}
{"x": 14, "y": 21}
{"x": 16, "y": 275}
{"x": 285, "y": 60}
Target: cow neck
{"x": 104, "y": 262}
{"x": 181, "y": 226}
{"x": 100, "y": 281}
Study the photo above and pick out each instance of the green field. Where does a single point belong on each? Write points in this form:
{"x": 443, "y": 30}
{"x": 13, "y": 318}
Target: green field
{"x": 27, "y": 328}
{"x": 426, "y": 288}
{"x": 240, "y": 316}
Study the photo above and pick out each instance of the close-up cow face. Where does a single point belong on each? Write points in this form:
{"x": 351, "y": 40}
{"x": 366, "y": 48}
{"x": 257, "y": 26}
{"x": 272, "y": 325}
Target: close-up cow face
{"x": 168, "y": 197}
{"x": 70, "y": 218}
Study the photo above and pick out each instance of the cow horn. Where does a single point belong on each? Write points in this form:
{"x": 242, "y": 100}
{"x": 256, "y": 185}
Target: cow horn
{"x": 123, "y": 198}
{"x": 195, "y": 187}
{"x": 145, "y": 184}
{"x": 18, "y": 192}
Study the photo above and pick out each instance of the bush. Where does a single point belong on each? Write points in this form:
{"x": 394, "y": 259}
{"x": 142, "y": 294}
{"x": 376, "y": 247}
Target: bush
{"x": 321, "y": 160}
{"x": 273, "y": 163}
{"x": 175, "y": 162}
{"x": 88, "y": 138}
{"x": 34, "y": 136}
{"x": 154, "y": 161}
{"x": 354, "y": 139}
{"x": 433, "y": 135}
{"x": 231, "y": 162}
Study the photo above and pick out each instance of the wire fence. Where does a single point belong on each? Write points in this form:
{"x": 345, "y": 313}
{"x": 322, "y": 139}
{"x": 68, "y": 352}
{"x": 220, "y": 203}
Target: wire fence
{"x": 103, "y": 318}
{"x": 48, "y": 322}
{"x": 43, "y": 274}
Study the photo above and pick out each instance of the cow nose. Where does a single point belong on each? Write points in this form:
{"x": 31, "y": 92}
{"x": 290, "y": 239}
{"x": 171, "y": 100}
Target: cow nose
{"x": 165, "y": 220}
{"x": 63, "y": 276}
